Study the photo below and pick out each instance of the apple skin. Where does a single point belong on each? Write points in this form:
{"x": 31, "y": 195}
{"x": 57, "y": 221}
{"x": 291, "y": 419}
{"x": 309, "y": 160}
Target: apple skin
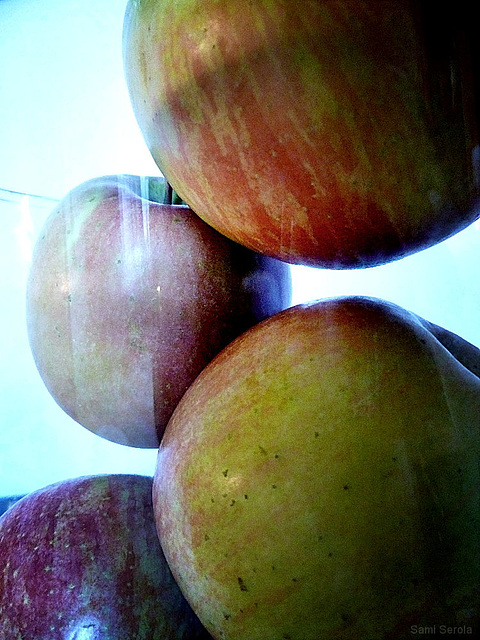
{"x": 81, "y": 559}
{"x": 320, "y": 478}
{"x": 128, "y": 299}
{"x": 335, "y": 133}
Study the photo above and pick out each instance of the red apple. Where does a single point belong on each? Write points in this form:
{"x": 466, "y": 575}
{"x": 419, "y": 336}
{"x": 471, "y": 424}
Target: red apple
{"x": 81, "y": 561}
{"x": 128, "y": 299}
{"x": 337, "y": 133}
{"x": 320, "y": 478}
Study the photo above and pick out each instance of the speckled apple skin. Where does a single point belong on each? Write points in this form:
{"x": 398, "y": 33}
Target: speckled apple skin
{"x": 81, "y": 560}
{"x": 320, "y": 479}
{"x": 128, "y": 299}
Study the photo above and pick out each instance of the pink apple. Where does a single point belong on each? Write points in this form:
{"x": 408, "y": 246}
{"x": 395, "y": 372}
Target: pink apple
{"x": 81, "y": 561}
{"x": 128, "y": 299}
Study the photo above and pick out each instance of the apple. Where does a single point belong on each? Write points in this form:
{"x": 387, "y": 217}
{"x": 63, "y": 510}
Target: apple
{"x": 128, "y": 299}
{"x": 321, "y": 478}
{"x": 337, "y": 133}
{"x": 81, "y": 561}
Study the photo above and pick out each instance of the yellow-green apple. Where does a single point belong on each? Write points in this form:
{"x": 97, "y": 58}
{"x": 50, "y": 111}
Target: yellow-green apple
{"x": 81, "y": 560}
{"x": 337, "y": 133}
{"x": 128, "y": 299}
{"x": 321, "y": 478}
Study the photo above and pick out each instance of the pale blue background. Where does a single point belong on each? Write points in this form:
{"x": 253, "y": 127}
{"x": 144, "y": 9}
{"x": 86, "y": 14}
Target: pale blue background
{"x": 65, "y": 117}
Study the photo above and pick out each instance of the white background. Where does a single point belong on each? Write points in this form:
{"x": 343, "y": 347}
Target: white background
{"x": 65, "y": 117}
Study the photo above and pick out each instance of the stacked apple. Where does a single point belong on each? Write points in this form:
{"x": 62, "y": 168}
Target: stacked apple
{"x": 318, "y": 474}
{"x": 335, "y": 133}
{"x": 321, "y": 479}
{"x": 128, "y": 299}
{"x": 81, "y": 561}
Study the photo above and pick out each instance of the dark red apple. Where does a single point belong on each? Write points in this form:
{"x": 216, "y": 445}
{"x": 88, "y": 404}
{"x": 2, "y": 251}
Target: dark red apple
{"x": 128, "y": 299}
{"x": 334, "y": 133}
{"x": 320, "y": 479}
{"x": 81, "y": 560}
